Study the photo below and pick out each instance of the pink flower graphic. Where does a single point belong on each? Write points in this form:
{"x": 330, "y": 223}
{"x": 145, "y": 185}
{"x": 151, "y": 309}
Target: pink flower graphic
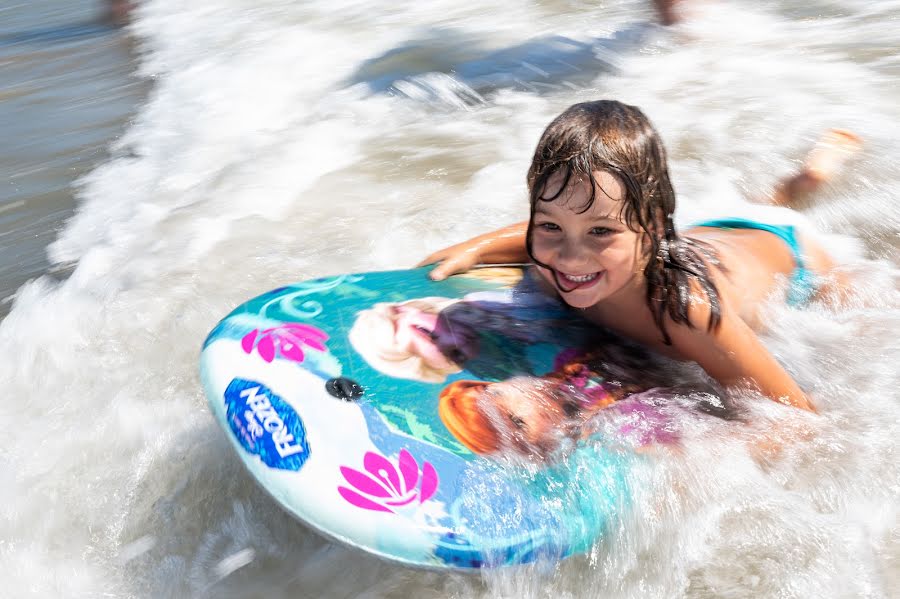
{"x": 383, "y": 486}
{"x": 288, "y": 338}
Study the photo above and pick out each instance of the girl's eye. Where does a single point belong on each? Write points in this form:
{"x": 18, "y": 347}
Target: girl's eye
{"x": 601, "y": 231}
{"x": 517, "y": 422}
{"x": 548, "y": 226}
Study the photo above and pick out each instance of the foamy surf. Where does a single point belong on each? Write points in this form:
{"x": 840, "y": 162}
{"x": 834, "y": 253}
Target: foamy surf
{"x": 258, "y": 161}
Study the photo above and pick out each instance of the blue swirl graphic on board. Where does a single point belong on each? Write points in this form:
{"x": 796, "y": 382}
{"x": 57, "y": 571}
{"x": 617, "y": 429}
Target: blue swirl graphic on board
{"x": 266, "y": 425}
{"x": 289, "y": 306}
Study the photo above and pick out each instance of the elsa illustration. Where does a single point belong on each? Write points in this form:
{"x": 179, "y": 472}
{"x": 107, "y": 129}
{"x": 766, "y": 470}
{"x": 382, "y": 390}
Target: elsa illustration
{"x": 401, "y": 340}
{"x": 427, "y": 339}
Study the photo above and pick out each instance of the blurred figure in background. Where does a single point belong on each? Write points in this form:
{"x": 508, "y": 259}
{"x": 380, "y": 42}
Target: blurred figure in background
{"x": 119, "y": 12}
{"x": 447, "y": 66}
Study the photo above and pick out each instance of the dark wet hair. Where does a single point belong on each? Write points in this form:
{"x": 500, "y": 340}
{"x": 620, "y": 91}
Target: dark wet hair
{"x": 610, "y": 136}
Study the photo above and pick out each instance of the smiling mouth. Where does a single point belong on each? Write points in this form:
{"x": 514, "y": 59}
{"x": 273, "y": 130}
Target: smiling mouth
{"x": 568, "y": 283}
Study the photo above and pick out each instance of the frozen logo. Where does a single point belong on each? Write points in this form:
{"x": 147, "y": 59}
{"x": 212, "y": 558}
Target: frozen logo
{"x": 383, "y": 487}
{"x": 266, "y": 425}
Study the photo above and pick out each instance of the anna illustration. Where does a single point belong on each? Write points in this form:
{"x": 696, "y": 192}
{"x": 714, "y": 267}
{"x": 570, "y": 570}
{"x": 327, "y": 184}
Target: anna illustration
{"x": 537, "y": 415}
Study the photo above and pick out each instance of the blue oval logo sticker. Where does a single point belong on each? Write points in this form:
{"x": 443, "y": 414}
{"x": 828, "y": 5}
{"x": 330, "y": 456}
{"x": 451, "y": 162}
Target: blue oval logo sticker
{"x": 266, "y": 425}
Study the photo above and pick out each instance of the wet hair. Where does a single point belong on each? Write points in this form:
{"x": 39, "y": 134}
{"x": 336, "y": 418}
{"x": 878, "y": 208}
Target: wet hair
{"x": 606, "y": 135}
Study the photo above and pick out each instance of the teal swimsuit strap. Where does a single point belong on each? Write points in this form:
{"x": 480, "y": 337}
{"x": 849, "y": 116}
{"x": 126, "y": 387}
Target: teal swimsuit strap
{"x": 802, "y": 283}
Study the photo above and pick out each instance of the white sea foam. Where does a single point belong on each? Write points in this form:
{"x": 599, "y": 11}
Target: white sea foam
{"x": 259, "y": 160}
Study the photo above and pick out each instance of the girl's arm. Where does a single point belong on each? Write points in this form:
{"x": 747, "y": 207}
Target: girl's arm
{"x": 733, "y": 355}
{"x": 503, "y": 246}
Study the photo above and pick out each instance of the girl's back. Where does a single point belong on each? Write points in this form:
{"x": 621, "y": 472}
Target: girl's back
{"x": 755, "y": 265}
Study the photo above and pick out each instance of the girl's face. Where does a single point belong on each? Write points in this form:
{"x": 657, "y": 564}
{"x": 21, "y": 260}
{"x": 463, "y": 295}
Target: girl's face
{"x": 593, "y": 254}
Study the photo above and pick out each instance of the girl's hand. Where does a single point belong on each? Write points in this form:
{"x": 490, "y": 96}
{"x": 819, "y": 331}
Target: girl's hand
{"x": 503, "y": 246}
{"x": 454, "y": 259}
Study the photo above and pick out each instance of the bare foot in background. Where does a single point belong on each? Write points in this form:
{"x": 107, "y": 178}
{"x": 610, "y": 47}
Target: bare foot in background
{"x": 826, "y": 160}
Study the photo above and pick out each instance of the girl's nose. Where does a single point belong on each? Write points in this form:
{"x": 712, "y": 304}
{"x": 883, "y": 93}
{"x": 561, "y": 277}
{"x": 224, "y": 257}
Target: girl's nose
{"x": 571, "y": 253}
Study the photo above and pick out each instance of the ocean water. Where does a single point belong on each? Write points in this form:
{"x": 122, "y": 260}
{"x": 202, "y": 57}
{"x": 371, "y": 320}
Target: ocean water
{"x": 67, "y": 89}
{"x": 278, "y": 141}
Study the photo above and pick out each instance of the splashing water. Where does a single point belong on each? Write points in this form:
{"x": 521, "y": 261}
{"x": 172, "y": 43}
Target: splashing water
{"x": 264, "y": 155}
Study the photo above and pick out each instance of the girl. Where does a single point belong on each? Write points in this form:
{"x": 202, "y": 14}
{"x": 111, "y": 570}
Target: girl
{"x": 602, "y": 236}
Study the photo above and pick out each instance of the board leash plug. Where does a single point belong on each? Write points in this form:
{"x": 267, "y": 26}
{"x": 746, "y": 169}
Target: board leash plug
{"x": 344, "y": 388}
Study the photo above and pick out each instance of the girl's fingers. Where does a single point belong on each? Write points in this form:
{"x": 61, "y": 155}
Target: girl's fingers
{"x": 443, "y": 270}
{"x": 452, "y": 260}
{"x": 451, "y": 266}
{"x": 432, "y": 258}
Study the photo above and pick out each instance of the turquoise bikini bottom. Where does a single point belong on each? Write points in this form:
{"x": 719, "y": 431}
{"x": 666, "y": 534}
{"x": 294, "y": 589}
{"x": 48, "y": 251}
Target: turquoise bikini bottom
{"x": 803, "y": 281}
